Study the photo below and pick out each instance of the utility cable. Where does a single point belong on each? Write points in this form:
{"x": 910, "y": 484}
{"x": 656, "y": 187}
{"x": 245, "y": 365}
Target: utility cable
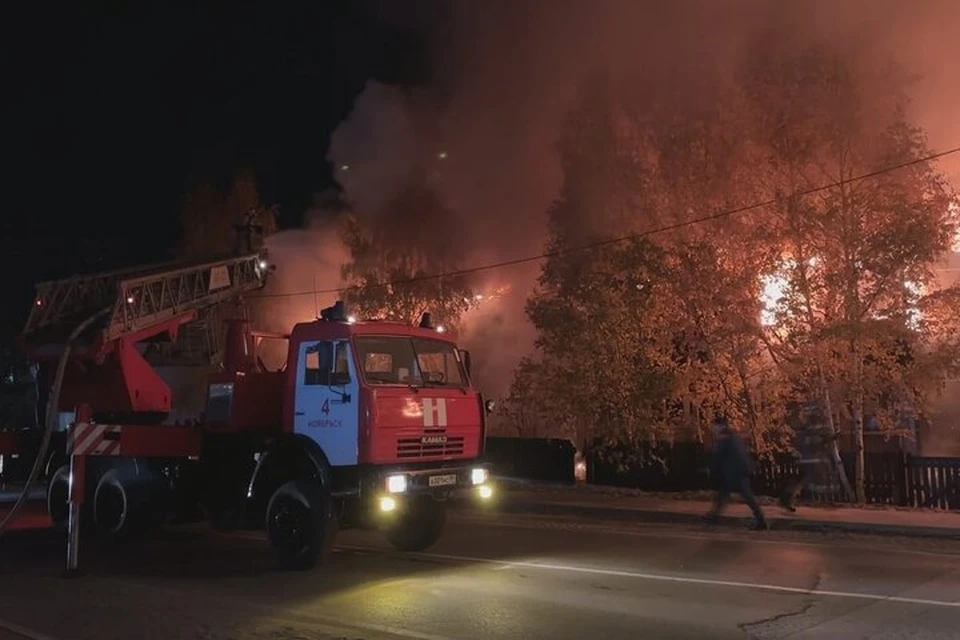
{"x": 634, "y": 236}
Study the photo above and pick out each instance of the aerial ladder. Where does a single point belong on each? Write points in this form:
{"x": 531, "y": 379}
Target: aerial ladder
{"x": 101, "y": 330}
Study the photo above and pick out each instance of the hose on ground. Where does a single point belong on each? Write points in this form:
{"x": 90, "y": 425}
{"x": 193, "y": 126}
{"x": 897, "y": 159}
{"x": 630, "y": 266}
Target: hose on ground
{"x": 50, "y": 420}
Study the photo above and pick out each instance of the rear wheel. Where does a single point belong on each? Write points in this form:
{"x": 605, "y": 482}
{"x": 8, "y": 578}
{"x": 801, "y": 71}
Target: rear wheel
{"x": 300, "y": 525}
{"x": 121, "y": 506}
{"x": 419, "y": 525}
{"x": 58, "y": 494}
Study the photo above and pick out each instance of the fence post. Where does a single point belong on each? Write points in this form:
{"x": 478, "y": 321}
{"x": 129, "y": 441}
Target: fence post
{"x": 902, "y": 483}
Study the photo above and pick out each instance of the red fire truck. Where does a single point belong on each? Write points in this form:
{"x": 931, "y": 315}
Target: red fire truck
{"x": 364, "y": 424}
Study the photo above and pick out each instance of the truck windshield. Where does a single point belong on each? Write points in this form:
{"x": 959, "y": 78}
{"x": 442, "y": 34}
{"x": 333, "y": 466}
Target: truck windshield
{"x": 409, "y": 361}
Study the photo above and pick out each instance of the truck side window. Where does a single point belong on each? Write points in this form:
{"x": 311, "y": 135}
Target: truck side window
{"x": 326, "y": 364}
{"x": 341, "y": 370}
{"x": 311, "y": 368}
{"x": 318, "y": 364}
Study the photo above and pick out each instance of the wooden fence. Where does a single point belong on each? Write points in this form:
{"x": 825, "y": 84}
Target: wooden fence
{"x": 889, "y": 478}
{"x": 540, "y": 459}
{"x": 933, "y": 483}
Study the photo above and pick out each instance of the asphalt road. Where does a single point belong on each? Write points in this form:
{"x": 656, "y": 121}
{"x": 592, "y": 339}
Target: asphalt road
{"x": 492, "y": 577}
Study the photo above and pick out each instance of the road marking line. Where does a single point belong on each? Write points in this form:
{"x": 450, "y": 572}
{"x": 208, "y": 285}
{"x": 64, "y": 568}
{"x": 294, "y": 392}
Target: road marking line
{"x": 678, "y": 579}
{"x": 23, "y": 631}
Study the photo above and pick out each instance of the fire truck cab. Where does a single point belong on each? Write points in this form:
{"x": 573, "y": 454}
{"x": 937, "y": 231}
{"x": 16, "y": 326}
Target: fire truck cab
{"x": 379, "y": 425}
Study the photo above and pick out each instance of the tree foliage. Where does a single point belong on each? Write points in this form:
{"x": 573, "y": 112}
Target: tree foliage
{"x": 855, "y": 257}
{"x": 644, "y": 339}
{"x": 209, "y": 218}
{"x": 398, "y": 258}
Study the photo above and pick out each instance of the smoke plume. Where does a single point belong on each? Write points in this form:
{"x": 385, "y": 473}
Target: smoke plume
{"x": 505, "y": 75}
{"x": 306, "y": 278}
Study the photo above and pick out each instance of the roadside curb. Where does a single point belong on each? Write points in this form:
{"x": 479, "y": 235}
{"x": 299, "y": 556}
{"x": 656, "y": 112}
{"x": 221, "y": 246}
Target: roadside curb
{"x": 627, "y": 514}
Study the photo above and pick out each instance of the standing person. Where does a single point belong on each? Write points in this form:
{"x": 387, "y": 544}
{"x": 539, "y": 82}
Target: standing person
{"x": 731, "y": 466}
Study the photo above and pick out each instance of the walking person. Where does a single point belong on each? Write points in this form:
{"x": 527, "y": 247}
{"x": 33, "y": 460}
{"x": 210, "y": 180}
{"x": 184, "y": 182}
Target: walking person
{"x": 813, "y": 443}
{"x": 731, "y": 466}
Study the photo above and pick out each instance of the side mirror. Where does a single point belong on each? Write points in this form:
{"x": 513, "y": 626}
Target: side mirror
{"x": 489, "y": 405}
{"x": 465, "y": 356}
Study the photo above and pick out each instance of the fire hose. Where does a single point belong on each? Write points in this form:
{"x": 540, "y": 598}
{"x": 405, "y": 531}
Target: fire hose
{"x": 50, "y": 420}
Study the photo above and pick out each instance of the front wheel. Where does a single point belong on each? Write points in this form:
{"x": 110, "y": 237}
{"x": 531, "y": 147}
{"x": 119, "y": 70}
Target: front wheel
{"x": 300, "y": 525}
{"x": 419, "y": 525}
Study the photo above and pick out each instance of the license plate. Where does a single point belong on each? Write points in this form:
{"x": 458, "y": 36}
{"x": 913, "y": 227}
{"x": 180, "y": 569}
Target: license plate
{"x": 442, "y": 481}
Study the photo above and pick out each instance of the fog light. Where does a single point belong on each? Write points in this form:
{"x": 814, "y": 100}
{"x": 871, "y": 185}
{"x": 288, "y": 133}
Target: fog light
{"x": 479, "y": 476}
{"x": 485, "y": 491}
{"x": 387, "y": 504}
{"x": 396, "y": 484}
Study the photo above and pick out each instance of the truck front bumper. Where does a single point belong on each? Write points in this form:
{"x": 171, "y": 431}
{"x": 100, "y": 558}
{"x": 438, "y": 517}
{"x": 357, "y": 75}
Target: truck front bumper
{"x": 398, "y": 485}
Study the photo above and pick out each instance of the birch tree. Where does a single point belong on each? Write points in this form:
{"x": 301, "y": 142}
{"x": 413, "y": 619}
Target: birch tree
{"x": 854, "y": 256}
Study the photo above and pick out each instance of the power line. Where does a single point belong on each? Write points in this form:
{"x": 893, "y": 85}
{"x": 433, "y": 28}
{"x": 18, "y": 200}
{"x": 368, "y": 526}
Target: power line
{"x": 611, "y": 241}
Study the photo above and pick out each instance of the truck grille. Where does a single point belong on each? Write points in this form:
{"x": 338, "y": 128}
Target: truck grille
{"x": 417, "y": 448}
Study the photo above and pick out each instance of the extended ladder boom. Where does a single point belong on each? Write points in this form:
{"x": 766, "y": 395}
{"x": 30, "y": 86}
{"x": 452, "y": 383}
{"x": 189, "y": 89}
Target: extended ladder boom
{"x": 135, "y": 300}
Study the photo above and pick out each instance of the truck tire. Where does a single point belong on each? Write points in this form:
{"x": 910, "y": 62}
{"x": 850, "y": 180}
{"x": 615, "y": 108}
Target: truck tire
{"x": 121, "y": 506}
{"x": 419, "y": 525}
{"x": 300, "y": 525}
{"x": 58, "y": 494}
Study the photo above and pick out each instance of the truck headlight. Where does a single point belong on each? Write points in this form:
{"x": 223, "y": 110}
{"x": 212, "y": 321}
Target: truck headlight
{"x": 396, "y": 484}
{"x": 479, "y": 476}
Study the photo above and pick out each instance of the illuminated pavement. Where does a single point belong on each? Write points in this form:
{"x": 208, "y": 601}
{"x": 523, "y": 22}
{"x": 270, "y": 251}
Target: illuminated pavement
{"x": 494, "y": 577}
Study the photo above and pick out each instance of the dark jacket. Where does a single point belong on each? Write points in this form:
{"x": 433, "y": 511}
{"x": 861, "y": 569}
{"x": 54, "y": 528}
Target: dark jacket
{"x": 730, "y": 462}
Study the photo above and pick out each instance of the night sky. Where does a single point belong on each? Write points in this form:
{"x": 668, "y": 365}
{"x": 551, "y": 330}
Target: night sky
{"x": 118, "y": 110}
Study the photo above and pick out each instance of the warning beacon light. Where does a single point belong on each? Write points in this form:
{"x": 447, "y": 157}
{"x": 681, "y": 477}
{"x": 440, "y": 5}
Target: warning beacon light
{"x": 426, "y": 321}
{"x": 336, "y": 313}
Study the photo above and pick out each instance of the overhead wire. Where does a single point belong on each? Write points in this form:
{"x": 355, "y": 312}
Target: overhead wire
{"x": 633, "y": 236}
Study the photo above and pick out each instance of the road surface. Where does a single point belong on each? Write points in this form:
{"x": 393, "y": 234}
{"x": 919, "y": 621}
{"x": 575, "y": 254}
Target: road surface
{"x": 516, "y": 577}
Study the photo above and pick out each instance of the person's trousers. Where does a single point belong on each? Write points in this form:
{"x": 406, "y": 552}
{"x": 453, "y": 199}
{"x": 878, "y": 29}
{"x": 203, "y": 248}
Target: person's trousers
{"x": 741, "y": 486}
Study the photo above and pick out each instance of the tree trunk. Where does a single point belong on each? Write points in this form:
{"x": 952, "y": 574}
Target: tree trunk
{"x": 835, "y": 449}
{"x": 858, "y": 467}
